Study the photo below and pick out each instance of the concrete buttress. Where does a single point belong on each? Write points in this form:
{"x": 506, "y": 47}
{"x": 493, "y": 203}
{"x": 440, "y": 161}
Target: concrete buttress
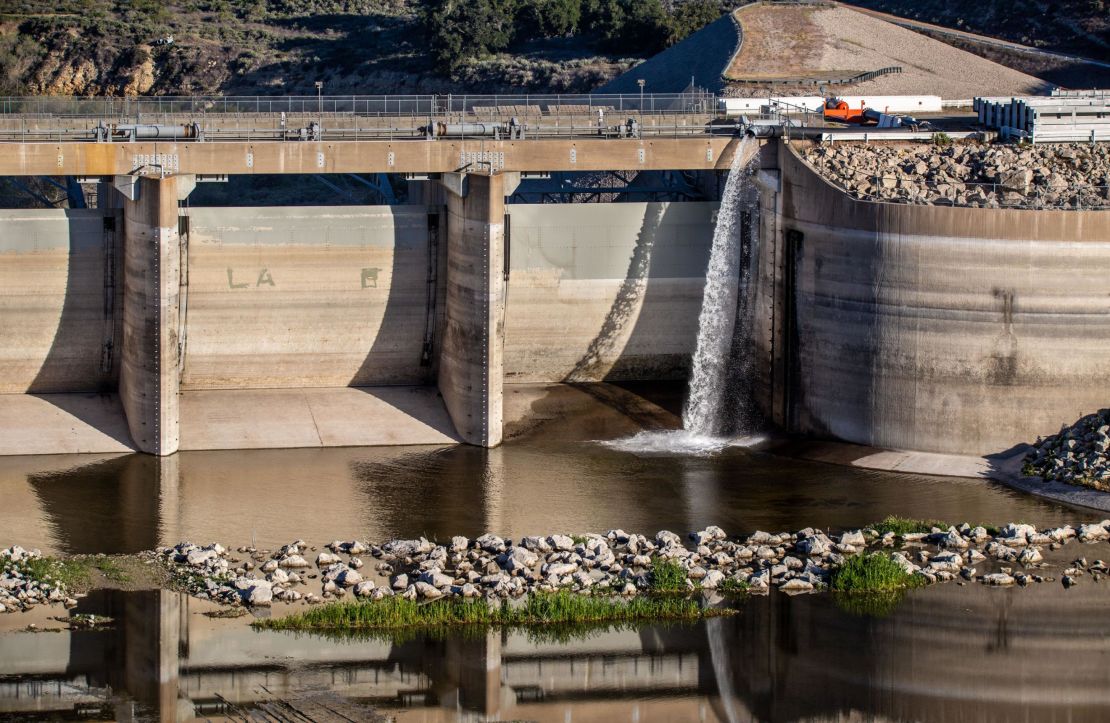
{"x": 150, "y": 373}
{"x": 471, "y": 369}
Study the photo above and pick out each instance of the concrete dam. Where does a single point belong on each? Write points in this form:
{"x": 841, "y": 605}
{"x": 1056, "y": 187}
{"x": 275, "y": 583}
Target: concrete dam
{"x": 149, "y": 324}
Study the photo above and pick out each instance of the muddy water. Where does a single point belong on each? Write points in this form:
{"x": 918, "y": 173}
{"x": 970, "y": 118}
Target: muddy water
{"x": 946, "y": 653}
{"x": 552, "y": 476}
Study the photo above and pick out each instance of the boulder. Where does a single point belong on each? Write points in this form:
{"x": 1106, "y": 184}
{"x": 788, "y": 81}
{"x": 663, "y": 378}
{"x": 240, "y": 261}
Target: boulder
{"x": 796, "y": 585}
{"x": 427, "y": 591}
{"x": 560, "y": 542}
{"x": 259, "y": 596}
{"x": 854, "y": 538}
{"x": 998, "y": 579}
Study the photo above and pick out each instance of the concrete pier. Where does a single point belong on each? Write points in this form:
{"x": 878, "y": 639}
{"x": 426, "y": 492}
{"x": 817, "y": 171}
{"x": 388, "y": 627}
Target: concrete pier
{"x": 471, "y": 368}
{"x": 150, "y": 373}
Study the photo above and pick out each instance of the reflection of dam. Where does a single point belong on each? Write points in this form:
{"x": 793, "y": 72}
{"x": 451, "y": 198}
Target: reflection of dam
{"x": 165, "y": 656}
{"x": 944, "y": 654}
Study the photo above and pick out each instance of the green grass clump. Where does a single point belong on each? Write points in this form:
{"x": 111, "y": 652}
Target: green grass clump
{"x": 872, "y": 573}
{"x": 393, "y": 612}
{"x": 906, "y": 525}
{"x": 69, "y": 574}
{"x": 113, "y": 570}
{"x": 557, "y": 608}
{"x": 733, "y": 586}
{"x": 667, "y": 576}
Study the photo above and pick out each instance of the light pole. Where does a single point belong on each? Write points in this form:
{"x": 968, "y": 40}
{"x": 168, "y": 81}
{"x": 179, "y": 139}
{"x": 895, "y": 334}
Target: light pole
{"x": 320, "y": 96}
{"x": 641, "y": 83}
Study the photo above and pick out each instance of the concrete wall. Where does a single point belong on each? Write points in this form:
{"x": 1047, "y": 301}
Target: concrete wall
{"x": 59, "y": 300}
{"x": 605, "y": 291}
{"x": 306, "y": 297}
{"x": 471, "y": 370}
{"x": 942, "y": 329}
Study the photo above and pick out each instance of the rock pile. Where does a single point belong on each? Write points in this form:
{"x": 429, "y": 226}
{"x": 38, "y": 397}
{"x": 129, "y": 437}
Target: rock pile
{"x": 614, "y": 563}
{"x": 1079, "y": 454}
{"x": 21, "y": 589}
{"x": 1066, "y": 175}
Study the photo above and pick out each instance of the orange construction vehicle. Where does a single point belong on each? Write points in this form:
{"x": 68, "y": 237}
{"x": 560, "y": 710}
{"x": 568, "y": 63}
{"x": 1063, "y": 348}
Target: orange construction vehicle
{"x": 838, "y": 110}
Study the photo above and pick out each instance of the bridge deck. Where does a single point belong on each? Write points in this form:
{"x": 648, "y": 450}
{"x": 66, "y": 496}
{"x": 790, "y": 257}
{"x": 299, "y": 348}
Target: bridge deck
{"x": 79, "y": 158}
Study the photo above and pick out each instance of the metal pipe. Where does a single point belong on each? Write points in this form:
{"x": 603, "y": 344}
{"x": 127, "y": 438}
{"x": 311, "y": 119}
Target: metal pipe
{"x": 763, "y": 130}
{"x": 440, "y": 129}
{"x": 190, "y": 130}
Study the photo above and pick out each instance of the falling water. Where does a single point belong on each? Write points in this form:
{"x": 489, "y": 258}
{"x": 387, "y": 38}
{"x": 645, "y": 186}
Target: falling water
{"x": 717, "y": 322}
{"x": 708, "y": 415}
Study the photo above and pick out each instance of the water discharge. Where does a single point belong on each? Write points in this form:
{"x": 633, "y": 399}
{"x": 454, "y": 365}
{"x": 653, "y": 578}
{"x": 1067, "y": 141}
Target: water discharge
{"x": 709, "y": 421}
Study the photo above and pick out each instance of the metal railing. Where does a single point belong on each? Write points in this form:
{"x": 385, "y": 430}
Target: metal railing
{"x": 376, "y": 117}
{"x": 392, "y": 132}
{"x": 137, "y": 107}
{"x": 817, "y": 80}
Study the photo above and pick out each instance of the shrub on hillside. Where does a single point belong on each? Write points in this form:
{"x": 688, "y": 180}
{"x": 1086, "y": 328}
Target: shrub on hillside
{"x": 460, "y": 31}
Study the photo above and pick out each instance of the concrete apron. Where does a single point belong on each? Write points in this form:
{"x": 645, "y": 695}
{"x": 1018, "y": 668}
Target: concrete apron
{"x": 1004, "y": 468}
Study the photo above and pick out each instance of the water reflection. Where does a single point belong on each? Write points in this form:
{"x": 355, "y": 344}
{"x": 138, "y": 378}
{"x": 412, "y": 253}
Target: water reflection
{"x": 945, "y": 654}
{"x": 553, "y": 478}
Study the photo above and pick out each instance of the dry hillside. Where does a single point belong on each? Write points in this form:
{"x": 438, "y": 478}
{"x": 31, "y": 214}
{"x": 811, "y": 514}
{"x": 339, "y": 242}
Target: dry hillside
{"x": 783, "y": 42}
{"x": 248, "y": 47}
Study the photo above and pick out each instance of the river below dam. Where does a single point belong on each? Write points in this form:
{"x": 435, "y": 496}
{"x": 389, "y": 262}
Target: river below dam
{"x": 944, "y": 653}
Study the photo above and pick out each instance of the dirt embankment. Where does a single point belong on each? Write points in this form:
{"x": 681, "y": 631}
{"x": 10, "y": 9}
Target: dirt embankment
{"x": 791, "y": 42}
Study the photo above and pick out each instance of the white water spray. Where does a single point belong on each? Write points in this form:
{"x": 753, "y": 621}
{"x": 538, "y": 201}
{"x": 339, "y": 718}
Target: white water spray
{"x": 704, "y": 418}
{"x": 716, "y": 324}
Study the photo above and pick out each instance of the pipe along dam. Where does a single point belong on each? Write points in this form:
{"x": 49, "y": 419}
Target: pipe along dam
{"x": 148, "y": 324}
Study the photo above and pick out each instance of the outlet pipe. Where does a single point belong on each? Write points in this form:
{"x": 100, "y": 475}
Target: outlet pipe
{"x": 763, "y": 130}
{"x": 463, "y": 129}
{"x": 159, "y": 131}
{"x": 132, "y": 131}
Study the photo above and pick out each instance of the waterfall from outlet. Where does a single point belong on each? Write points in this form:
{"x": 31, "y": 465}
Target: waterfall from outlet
{"x": 719, "y": 400}
{"x": 703, "y": 414}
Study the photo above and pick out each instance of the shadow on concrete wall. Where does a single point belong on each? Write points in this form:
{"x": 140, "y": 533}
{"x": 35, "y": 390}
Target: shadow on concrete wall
{"x": 645, "y": 330}
{"x": 109, "y": 506}
{"x": 397, "y": 330}
{"x": 742, "y": 413}
{"x": 84, "y": 354}
{"x": 628, "y": 303}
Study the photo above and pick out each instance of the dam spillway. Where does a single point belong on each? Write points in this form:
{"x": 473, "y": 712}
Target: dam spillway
{"x": 156, "y": 325}
{"x": 287, "y": 311}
